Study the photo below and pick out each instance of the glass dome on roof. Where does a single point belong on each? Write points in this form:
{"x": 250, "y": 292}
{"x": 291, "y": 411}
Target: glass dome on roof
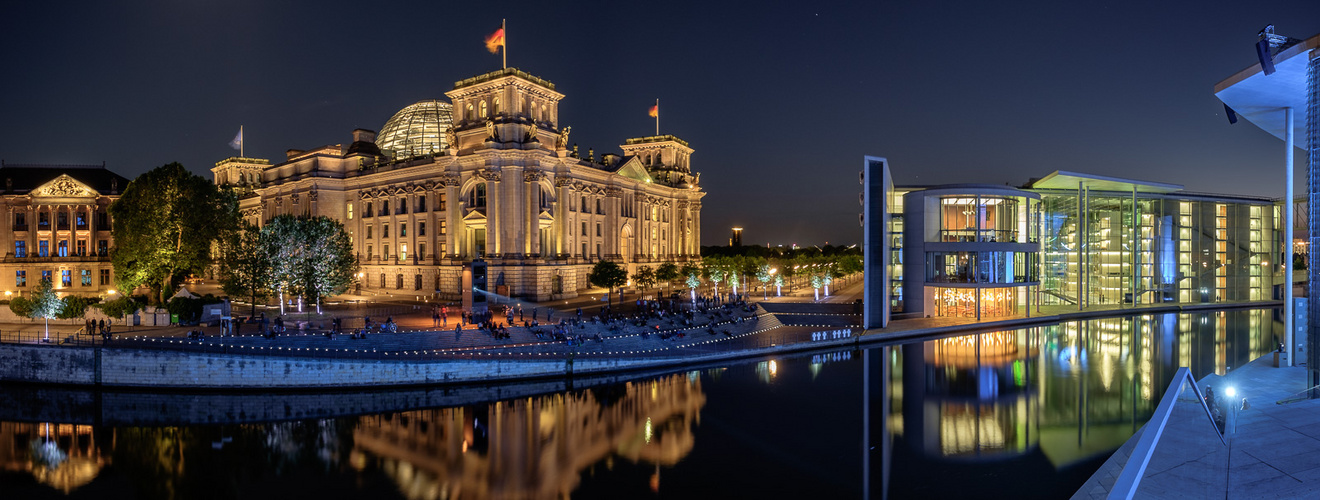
{"x": 417, "y": 129}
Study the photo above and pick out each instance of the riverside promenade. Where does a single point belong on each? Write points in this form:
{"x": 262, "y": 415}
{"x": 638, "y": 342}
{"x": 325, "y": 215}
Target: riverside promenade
{"x": 421, "y": 353}
{"x": 1273, "y": 445}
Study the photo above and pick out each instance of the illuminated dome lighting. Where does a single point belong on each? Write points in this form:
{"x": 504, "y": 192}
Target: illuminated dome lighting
{"x": 417, "y": 129}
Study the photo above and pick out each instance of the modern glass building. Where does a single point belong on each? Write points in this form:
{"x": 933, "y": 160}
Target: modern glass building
{"x": 1078, "y": 240}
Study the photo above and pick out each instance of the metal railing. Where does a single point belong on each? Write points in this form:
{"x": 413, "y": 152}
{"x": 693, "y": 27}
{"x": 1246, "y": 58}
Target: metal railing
{"x": 1125, "y": 486}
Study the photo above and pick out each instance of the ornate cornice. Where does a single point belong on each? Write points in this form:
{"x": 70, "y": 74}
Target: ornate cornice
{"x": 488, "y": 174}
{"x": 614, "y": 192}
{"x": 451, "y": 180}
{"x": 533, "y": 175}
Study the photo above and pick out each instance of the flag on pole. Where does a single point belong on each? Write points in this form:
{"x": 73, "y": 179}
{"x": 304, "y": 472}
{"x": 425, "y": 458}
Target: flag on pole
{"x": 655, "y": 111}
{"x": 237, "y": 143}
{"x": 495, "y": 40}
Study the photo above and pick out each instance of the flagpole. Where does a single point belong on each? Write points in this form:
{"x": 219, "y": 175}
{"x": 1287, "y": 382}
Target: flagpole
{"x": 657, "y": 116}
{"x": 504, "y": 47}
{"x": 240, "y": 142}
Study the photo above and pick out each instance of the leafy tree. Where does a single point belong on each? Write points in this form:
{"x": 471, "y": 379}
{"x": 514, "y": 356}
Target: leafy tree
{"x": 609, "y": 275}
{"x": 693, "y": 280}
{"x": 715, "y": 271}
{"x": 667, "y": 273}
{"x": 645, "y": 277}
{"x": 309, "y": 257}
{"x": 75, "y": 307}
{"x": 121, "y": 306}
{"x": 164, "y": 225}
{"x": 46, "y": 304}
{"x": 21, "y": 306}
{"x": 764, "y": 274}
{"x": 244, "y": 266}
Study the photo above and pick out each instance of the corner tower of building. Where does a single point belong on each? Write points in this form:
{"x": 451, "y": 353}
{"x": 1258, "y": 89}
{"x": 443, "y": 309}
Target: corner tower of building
{"x": 517, "y": 107}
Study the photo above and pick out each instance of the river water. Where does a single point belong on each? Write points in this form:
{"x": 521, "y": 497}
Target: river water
{"x": 1028, "y": 413}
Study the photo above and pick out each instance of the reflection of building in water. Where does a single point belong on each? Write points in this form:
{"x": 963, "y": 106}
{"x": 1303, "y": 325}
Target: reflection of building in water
{"x": 971, "y": 397}
{"x": 533, "y": 447}
{"x": 1072, "y": 390}
{"x": 62, "y": 456}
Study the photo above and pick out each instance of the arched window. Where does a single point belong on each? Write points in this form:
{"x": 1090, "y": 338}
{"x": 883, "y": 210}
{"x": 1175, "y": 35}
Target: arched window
{"x": 495, "y": 106}
{"x": 544, "y": 116}
{"x": 468, "y": 115}
{"x": 479, "y": 195}
{"x": 483, "y": 109}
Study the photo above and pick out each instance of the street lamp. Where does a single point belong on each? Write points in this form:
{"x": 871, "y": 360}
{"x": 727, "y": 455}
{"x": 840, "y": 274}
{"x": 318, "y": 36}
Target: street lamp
{"x": 1231, "y": 392}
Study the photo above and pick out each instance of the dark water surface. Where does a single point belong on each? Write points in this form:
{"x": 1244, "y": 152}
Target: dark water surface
{"x": 1028, "y": 413}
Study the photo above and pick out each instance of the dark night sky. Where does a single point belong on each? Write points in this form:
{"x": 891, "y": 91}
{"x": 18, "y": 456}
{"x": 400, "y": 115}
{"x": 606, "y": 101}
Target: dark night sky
{"x": 780, "y": 100}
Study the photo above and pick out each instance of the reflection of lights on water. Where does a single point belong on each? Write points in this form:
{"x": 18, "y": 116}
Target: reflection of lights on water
{"x": 774, "y": 367}
{"x": 648, "y": 430}
{"x": 465, "y": 446}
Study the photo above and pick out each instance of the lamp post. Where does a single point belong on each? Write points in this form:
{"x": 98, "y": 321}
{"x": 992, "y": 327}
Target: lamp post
{"x": 1230, "y": 393}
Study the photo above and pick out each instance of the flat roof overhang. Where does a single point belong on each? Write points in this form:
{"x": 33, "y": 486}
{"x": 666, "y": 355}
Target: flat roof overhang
{"x": 1060, "y": 179}
{"x": 1261, "y": 98}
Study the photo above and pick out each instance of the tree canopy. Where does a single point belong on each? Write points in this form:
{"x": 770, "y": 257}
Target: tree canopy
{"x": 164, "y": 225}
{"x": 46, "y": 304}
{"x": 608, "y": 274}
{"x": 310, "y": 257}
{"x": 244, "y": 265}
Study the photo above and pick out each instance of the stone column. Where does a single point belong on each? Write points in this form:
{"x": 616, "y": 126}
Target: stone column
{"x": 560, "y": 230}
{"x": 492, "y": 179}
{"x": 455, "y": 243}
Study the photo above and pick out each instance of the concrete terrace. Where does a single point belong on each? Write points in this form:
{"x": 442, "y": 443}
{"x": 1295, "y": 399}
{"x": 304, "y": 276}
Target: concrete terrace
{"x": 1273, "y": 451}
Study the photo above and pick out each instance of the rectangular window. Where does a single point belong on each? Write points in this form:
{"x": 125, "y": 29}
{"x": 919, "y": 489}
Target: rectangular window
{"x": 86, "y": 277}
{"x": 82, "y": 248}
{"x": 64, "y": 248}
{"x": 584, "y": 230}
{"x": 43, "y": 220}
{"x": 421, "y": 204}
{"x": 20, "y": 222}
{"x": 105, "y": 276}
{"x": 598, "y": 249}
{"x": 421, "y": 250}
{"x": 384, "y": 207}
{"x": 384, "y": 231}
{"x": 20, "y": 278}
{"x": 368, "y": 232}
{"x": 43, "y": 248}
{"x": 81, "y": 220}
{"x": 62, "y": 218}
{"x": 66, "y": 278}
{"x": 385, "y": 251}
{"x": 584, "y": 250}
{"x": 403, "y": 206}
{"x": 440, "y": 202}
{"x": 443, "y": 231}
{"x": 102, "y": 247}
{"x": 597, "y": 229}
{"x": 20, "y": 249}
{"x": 403, "y": 251}
{"x": 368, "y": 252}
{"x": 350, "y": 211}
{"x": 421, "y": 229}
{"x": 443, "y": 248}
{"x": 368, "y": 212}
{"x": 403, "y": 229}
{"x": 45, "y": 276}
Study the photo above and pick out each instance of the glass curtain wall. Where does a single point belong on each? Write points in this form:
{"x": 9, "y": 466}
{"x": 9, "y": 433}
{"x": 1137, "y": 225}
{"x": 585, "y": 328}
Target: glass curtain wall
{"x": 1176, "y": 251}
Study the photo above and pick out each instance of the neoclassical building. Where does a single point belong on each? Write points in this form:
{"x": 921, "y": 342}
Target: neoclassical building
{"x": 58, "y": 227}
{"x": 502, "y": 183}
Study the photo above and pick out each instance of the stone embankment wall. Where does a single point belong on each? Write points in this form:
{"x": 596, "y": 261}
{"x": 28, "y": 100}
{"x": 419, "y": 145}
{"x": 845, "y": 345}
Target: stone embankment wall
{"x": 182, "y": 369}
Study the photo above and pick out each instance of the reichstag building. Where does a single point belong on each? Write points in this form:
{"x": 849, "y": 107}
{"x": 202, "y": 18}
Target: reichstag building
{"x": 490, "y": 173}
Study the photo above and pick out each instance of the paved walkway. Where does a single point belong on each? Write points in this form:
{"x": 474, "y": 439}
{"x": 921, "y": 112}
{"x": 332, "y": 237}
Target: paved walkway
{"x": 1273, "y": 450}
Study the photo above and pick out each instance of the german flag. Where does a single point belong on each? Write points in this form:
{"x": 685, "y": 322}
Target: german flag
{"x": 495, "y": 40}
{"x": 655, "y": 111}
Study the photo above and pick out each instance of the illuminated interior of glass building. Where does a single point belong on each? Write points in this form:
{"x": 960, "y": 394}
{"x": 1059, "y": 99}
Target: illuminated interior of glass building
{"x": 1078, "y": 241}
{"x": 417, "y": 129}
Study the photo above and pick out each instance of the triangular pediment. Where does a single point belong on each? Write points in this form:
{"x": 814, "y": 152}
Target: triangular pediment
{"x": 633, "y": 169}
{"x": 64, "y": 187}
{"x": 475, "y": 215}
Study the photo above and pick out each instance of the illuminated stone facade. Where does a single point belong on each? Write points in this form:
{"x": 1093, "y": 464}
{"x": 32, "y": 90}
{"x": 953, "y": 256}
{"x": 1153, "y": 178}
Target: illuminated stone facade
{"x": 508, "y": 187}
{"x": 59, "y": 227}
